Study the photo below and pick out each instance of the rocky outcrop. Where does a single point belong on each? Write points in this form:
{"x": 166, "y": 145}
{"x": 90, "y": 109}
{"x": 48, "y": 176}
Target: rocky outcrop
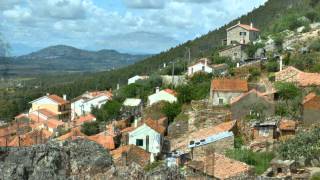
{"x": 78, "y": 159}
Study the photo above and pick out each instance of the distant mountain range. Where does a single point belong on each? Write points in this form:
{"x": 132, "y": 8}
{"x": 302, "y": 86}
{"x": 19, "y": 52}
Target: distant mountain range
{"x": 67, "y": 59}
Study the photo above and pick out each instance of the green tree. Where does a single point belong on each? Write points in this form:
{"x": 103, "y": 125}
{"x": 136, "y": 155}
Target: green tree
{"x": 171, "y": 110}
{"x": 109, "y": 111}
{"x": 287, "y": 91}
{"x": 184, "y": 94}
{"x": 90, "y": 128}
{"x": 251, "y": 49}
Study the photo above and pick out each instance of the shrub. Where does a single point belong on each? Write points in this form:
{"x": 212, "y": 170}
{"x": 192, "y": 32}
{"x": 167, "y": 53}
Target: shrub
{"x": 313, "y": 16}
{"x": 272, "y": 66}
{"x": 315, "y": 45}
{"x": 184, "y": 94}
{"x": 254, "y": 73}
{"x": 90, "y": 128}
{"x": 171, "y": 110}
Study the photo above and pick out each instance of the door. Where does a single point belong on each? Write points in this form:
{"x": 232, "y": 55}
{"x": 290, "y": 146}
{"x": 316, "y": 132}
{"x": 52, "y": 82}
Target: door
{"x": 147, "y": 143}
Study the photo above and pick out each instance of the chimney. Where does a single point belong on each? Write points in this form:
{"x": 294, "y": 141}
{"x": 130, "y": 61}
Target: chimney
{"x": 65, "y": 97}
{"x": 281, "y": 63}
{"x": 135, "y": 122}
{"x": 239, "y": 22}
{"x": 251, "y": 25}
{"x": 157, "y": 89}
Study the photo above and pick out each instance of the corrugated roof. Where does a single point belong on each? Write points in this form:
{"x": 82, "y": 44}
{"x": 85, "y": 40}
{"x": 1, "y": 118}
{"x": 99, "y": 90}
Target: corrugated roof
{"x": 229, "y": 85}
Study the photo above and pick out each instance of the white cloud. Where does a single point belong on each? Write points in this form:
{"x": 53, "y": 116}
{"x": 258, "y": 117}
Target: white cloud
{"x": 8, "y": 4}
{"x": 145, "y": 4}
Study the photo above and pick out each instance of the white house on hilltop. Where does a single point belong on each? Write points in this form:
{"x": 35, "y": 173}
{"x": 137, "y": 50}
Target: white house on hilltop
{"x": 136, "y": 78}
{"x": 82, "y": 105}
{"x": 200, "y": 66}
{"x": 167, "y": 95}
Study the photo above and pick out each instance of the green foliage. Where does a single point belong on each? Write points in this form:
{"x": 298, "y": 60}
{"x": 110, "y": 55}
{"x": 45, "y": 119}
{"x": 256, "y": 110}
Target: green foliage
{"x": 287, "y": 90}
{"x": 109, "y": 111}
{"x": 314, "y": 2}
{"x": 153, "y": 166}
{"x": 303, "y": 61}
{"x": 260, "y": 160}
{"x": 90, "y": 128}
{"x": 251, "y": 49}
{"x": 313, "y": 16}
{"x": 184, "y": 94}
{"x": 315, "y": 45}
{"x": 200, "y": 86}
{"x": 171, "y": 110}
{"x": 238, "y": 142}
{"x": 272, "y": 66}
{"x": 254, "y": 73}
{"x": 306, "y": 144}
{"x": 316, "y": 176}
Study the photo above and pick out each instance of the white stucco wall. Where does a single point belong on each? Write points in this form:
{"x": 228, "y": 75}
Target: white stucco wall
{"x": 197, "y": 68}
{"x": 161, "y": 96}
{"x": 226, "y": 96}
{"x": 82, "y": 107}
{"x": 134, "y": 79}
{"x": 141, "y": 133}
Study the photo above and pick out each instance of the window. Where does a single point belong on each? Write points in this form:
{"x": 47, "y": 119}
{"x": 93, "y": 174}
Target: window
{"x": 139, "y": 142}
{"x": 220, "y": 101}
{"x": 243, "y": 33}
{"x": 202, "y": 68}
{"x": 264, "y": 131}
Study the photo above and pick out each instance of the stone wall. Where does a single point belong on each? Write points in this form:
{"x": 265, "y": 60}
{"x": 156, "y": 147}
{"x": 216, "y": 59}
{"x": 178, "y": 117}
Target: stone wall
{"x": 178, "y": 128}
{"x": 234, "y": 35}
{"x": 310, "y": 118}
{"x": 236, "y": 53}
{"x": 219, "y": 147}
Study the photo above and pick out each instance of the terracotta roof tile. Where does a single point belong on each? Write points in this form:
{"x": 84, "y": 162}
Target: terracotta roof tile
{"x": 220, "y": 166}
{"x": 127, "y": 130}
{"x": 31, "y": 138}
{"x": 311, "y": 101}
{"x": 303, "y": 79}
{"x": 155, "y": 125}
{"x": 104, "y": 140}
{"x": 47, "y": 113}
{"x": 54, "y": 123}
{"x": 253, "y": 91}
{"x": 309, "y": 97}
{"x": 248, "y": 27}
{"x": 57, "y": 99}
{"x": 73, "y": 134}
{"x": 134, "y": 154}
{"x": 286, "y": 124}
{"x": 170, "y": 91}
{"x": 22, "y": 115}
{"x": 82, "y": 119}
{"x": 229, "y": 85}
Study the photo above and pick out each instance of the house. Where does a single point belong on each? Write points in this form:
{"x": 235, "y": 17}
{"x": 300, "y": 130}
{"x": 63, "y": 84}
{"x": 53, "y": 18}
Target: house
{"x": 132, "y": 107}
{"x": 238, "y": 36}
{"x": 125, "y": 155}
{"x": 83, "y": 104}
{"x": 200, "y": 66}
{"x": 105, "y": 139}
{"x": 53, "y": 125}
{"x": 220, "y": 138}
{"x": 83, "y": 119}
{"x": 148, "y": 136}
{"x": 287, "y": 129}
{"x": 167, "y": 95}
{"x": 311, "y": 110}
{"x": 242, "y": 34}
{"x": 264, "y": 131}
{"x": 252, "y": 102}
{"x": 218, "y": 166}
{"x": 300, "y": 78}
{"x": 72, "y": 135}
{"x": 136, "y": 78}
{"x": 223, "y": 90}
{"x": 53, "y": 103}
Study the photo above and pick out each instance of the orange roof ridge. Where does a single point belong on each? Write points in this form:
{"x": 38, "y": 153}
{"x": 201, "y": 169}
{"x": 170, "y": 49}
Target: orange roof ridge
{"x": 225, "y": 84}
{"x": 258, "y": 93}
{"x": 170, "y": 91}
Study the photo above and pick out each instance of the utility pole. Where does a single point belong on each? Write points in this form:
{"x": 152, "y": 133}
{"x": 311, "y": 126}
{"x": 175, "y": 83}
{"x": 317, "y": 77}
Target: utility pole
{"x": 173, "y": 74}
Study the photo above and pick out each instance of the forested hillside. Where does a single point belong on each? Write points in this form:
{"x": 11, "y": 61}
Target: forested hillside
{"x": 12, "y": 102}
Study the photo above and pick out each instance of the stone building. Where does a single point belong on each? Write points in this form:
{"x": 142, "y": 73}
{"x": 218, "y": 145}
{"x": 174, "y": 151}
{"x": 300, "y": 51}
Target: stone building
{"x": 223, "y": 90}
{"x": 252, "y": 102}
{"x": 238, "y": 36}
{"x": 311, "y": 110}
{"x": 242, "y": 33}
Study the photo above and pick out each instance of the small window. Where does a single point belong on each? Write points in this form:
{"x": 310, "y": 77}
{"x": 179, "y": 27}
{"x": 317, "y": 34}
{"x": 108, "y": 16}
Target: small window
{"x": 202, "y": 140}
{"x": 197, "y": 143}
{"x": 191, "y": 142}
{"x": 202, "y": 68}
{"x": 220, "y": 101}
{"x": 139, "y": 142}
{"x": 243, "y": 33}
{"x": 264, "y": 131}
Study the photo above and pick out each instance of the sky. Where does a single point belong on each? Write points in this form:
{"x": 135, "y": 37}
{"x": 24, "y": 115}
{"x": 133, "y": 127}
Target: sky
{"x": 131, "y": 26}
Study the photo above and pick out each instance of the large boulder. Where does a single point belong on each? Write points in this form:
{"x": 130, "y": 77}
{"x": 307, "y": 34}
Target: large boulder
{"x": 78, "y": 159}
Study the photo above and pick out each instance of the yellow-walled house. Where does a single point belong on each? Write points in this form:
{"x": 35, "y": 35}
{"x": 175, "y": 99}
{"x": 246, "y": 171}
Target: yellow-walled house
{"x": 55, "y": 104}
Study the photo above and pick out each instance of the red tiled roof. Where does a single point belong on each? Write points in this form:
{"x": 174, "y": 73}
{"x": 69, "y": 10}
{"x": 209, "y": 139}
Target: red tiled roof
{"x": 22, "y": 115}
{"x": 127, "y": 130}
{"x": 155, "y": 125}
{"x": 303, "y": 79}
{"x": 170, "y": 91}
{"x": 309, "y": 97}
{"x": 31, "y": 138}
{"x": 219, "y": 166}
{"x": 286, "y": 124}
{"x": 86, "y": 118}
{"x": 73, "y": 134}
{"x": 201, "y": 61}
{"x": 57, "y": 99}
{"x": 47, "y": 113}
{"x": 104, "y": 140}
{"x": 253, "y": 91}
{"x": 248, "y": 27}
{"x": 134, "y": 154}
{"x": 229, "y": 85}
{"x": 54, "y": 123}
